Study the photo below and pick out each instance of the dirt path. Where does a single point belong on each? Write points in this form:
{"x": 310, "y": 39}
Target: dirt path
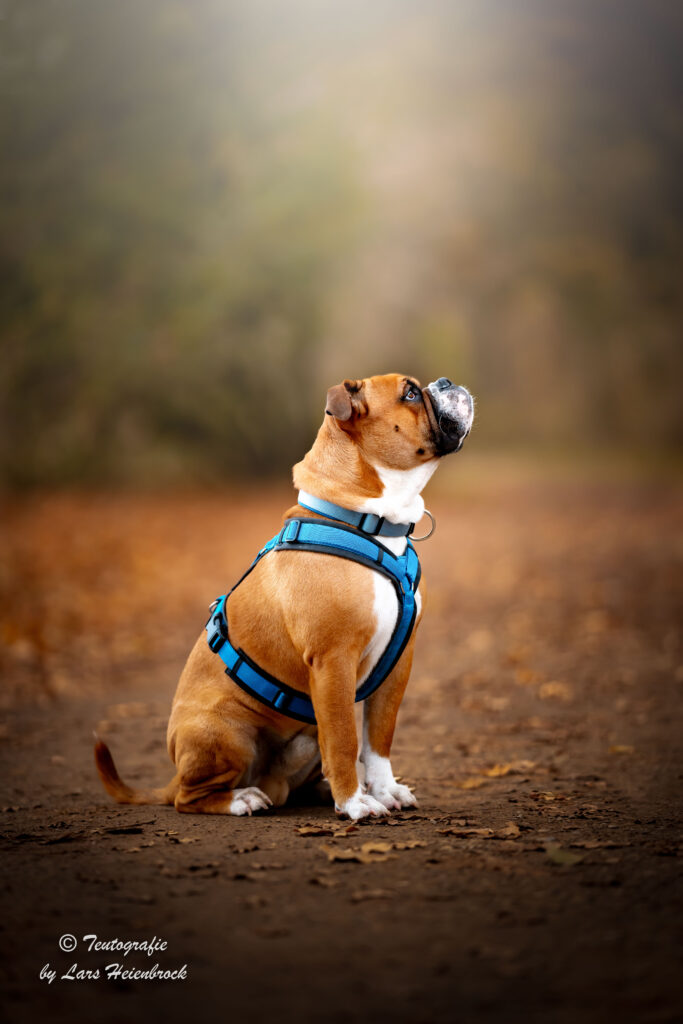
{"x": 540, "y": 878}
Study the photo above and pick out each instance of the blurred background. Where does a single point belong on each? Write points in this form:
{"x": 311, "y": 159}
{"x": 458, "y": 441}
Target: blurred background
{"x": 212, "y": 211}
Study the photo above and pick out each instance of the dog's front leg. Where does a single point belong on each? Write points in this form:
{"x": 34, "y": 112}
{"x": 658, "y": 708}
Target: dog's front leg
{"x": 379, "y": 721}
{"x": 333, "y": 687}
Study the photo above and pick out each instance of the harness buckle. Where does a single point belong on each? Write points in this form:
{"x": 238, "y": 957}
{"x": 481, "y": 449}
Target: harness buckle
{"x": 290, "y": 531}
{"x": 216, "y": 641}
{"x": 365, "y": 528}
{"x": 282, "y": 701}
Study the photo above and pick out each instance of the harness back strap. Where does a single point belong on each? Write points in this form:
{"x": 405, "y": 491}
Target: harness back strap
{"x": 303, "y": 534}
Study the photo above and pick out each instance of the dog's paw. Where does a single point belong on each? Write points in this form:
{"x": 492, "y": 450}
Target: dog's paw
{"x": 393, "y": 795}
{"x": 361, "y": 805}
{"x": 246, "y": 801}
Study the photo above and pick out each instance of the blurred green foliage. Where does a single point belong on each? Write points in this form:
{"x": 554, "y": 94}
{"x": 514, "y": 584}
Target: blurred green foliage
{"x": 212, "y": 211}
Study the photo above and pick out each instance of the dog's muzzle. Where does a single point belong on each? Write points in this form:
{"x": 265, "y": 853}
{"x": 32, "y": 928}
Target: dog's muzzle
{"x": 450, "y": 409}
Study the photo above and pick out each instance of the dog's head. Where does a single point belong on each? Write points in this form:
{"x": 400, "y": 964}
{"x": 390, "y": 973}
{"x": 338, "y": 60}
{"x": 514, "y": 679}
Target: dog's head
{"x": 399, "y": 424}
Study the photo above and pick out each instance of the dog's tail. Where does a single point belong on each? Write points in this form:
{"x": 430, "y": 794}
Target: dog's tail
{"x": 118, "y": 789}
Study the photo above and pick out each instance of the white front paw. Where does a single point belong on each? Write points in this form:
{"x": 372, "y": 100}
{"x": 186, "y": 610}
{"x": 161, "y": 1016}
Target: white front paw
{"x": 361, "y": 805}
{"x": 245, "y": 801}
{"x": 393, "y": 795}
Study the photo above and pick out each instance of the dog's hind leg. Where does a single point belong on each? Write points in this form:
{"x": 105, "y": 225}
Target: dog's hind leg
{"x": 222, "y": 801}
{"x": 297, "y": 764}
{"x": 211, "y": 764}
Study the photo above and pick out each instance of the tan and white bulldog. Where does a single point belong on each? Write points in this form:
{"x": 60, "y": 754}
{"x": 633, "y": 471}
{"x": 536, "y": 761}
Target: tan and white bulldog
{"x": 316, "y": 622}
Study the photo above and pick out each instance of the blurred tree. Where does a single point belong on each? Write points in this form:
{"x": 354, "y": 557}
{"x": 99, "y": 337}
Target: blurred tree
{"x": 212, "y": 211}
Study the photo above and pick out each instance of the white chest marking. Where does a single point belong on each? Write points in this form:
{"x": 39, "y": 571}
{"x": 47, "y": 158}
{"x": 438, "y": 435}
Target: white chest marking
{"x": 401, "y": 501}
{"x": 385, "y": 612}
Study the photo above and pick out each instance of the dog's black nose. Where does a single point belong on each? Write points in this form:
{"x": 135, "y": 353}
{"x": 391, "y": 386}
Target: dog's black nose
{"x": 443, "y": 383}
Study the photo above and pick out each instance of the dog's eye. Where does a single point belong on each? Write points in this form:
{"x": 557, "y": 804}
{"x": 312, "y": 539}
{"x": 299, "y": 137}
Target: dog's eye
{"x": 411, "y": 395}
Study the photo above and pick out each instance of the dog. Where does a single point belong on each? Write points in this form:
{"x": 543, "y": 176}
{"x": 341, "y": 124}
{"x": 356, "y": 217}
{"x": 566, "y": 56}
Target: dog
{"x": 314, "y": 624}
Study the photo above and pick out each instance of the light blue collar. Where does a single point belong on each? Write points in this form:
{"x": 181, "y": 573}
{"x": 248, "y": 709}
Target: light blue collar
{"x": 366, "y": 522}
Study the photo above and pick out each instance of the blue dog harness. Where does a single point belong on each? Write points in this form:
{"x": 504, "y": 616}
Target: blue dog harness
{"x": 329, "y": 538}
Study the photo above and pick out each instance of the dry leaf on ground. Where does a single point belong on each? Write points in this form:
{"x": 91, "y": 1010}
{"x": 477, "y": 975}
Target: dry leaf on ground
{"x": 596, "y": 844}
{"x": 563, "y": 857}
{"x": 474, "y": 782}
{"x": 509, "y": 768}
{"x": 555, "y": 690}
{"x": 362, "y": 856}
{"x": 509, "y": 831}
{"x": 370, "y": 852}
{"x": 360, "y": 895}
{"x": 481, "y": 833}
{"x": 548, "y": 797}
{"x": 324, "y": 881}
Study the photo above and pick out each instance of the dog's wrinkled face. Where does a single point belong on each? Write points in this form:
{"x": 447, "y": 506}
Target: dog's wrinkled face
{"x": 399, "y": 424}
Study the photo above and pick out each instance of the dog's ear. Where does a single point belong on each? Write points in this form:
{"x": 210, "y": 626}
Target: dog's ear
{"x": 346, "y": 400}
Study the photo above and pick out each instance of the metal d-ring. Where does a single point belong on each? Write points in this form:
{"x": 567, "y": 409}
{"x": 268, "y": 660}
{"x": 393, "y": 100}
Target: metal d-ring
{"x": 432, "y": 528}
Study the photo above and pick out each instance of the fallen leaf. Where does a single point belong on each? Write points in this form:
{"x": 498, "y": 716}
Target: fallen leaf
{"x": 255, "y": 901}
{"x": 472, "y": 783}
{"x": 621, "y": 748}
{"x": 527, "y": 676}
{"x": 510, "y": 768}
{"x": 369, "y": 853}
{"x": 315, "y": 830}
{"x": 481, "y": 833}
{"x": 376, "y": 847}
{"x": 324, "y": 881}
{"x": 66, "y": 837}
{"x": 410, "y": 844}
{"x": 596, "y": 844}
{"x": 360, "y": 895}
{"x": 563, "y": 857}
{"x": 509, "y": 831}
{"x": 548, "y": 796}
{"x": 555, "y": 691}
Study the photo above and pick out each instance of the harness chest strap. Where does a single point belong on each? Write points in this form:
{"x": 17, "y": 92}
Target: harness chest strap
{"x": 303, "y": 534}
